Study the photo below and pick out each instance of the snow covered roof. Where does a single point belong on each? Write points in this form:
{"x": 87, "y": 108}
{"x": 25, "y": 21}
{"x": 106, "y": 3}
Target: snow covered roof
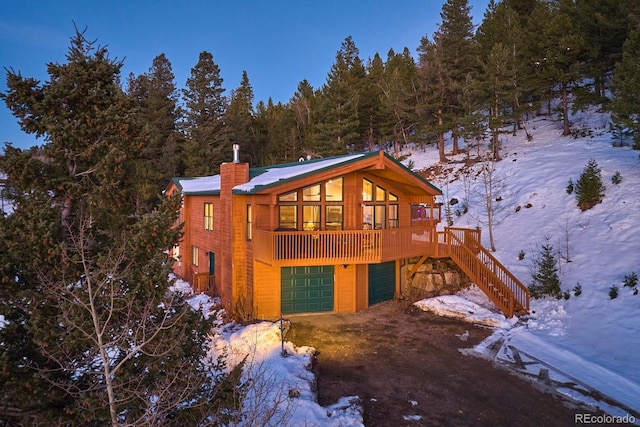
{"x": 268, "y": 176}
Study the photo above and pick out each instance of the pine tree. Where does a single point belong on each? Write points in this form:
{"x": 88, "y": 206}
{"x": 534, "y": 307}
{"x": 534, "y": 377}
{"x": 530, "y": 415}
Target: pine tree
{"x": 434, "y": 83}
{"x": 156, "y": 95}
{"x": 339, "y": 126}
{"x": 459, "y": 57}
{"x": 239, "y": 122}
{"x": 589, "y": 187}
{"x": 604, "y": 25}
{"x": 626, "y": 85}
{"x": 399, "y": 98}
{"x": 84, "y": 274}
{"x": 564, "y": 51}
{"x": 303, "y": 107}
{"x": 374, "y": 114}
{"x": 545, "y": 280}
{"x": 206, "y": 145}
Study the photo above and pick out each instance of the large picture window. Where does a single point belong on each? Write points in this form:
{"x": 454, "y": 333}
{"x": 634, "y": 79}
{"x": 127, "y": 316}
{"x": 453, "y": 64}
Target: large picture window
{"x": 313, "y": 208}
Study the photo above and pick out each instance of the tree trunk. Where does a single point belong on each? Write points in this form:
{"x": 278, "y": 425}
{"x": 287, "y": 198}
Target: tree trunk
{"x": 565, "y": 110}
{"x": 443, "y": 158}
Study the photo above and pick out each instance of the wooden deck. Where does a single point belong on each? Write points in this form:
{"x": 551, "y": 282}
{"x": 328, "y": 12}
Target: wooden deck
{"x": 299, "y": 248}
{"x": 343, "y": 247}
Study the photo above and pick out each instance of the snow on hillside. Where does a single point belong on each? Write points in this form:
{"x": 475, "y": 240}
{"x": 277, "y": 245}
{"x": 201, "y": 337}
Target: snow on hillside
{"x": 585, "y": 347}
{"x": 591, "y": 338}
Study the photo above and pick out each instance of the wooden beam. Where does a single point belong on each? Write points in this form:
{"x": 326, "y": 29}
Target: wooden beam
{"x": 415, "y": 268}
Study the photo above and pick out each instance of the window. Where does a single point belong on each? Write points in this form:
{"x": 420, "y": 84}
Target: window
{"x": 420, "y": 213}
{"x": 194, "y": 255}
{"x": 311, "y": 194}
{"x": 308, "y": 205}
{"x": 379, "y": 221}
{"x": 208, "y": 216}
{"x": 311, "y": 217}
{"x": 381, "y": 194}
{"x": 333, "y": 217}
{"x": 289, "y": 197}
{"x": 393, "y": 197}
{"x": 393, "y": 216}
{"x": 288, "y": 217}
{"x": 367, "y": 190}
{"x": 249, "y": 223}
{"x": 333, "y": 190}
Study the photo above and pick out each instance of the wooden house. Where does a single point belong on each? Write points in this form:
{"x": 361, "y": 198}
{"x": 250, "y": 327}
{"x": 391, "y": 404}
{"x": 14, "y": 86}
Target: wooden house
{"x": 324, "y": 235}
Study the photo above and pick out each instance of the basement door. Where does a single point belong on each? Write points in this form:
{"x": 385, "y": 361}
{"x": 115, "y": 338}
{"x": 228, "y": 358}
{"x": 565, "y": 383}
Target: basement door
{"x": 382, "y": 282}
{"x": 306, "y": 289}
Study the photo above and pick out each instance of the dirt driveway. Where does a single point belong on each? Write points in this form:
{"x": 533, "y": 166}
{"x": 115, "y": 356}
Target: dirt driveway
{"x": 405, "y": 366}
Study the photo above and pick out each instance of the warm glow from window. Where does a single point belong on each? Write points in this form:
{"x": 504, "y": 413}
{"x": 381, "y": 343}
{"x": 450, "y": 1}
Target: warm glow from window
{"x": 311, "y": 194}
{"x": 289, "y": 197}
{"x": 334, "y": 217}
{"x": 311, "y": 217}
{"x": 367, "y": 190}
{"x": 288, "y": 217}
{"x": 208, "y": 216}
{"x": 333, "y": 190}
{"x": 381, "y": 194}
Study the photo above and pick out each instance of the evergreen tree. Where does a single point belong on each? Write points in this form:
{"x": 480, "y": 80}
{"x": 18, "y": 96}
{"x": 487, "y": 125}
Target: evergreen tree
{"x": 589, "y": 187}
{"x": 399, "y": 98}
{"x": 206, "y": 145}
{"x": 458, "y": 56}
{"x": 374, "y": 114}
{"x": 626, "y": 85}
{"x": 303, "y": 106}
{"x": 545, "y": 280}
{"x": 564, "y": 51}
{"x": 433, "y": 90}
{"x": 239, "y": 122}
{"x": 101, "y": 340}
{"x": 156, "y": 95}
{"x": 604, "y": 25}
{"x": 339, "y": 125}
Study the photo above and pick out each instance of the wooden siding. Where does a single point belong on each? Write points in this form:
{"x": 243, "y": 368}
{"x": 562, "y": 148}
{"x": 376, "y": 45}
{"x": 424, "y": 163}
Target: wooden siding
{"x": 266, "y": 291}
{"x": 362, "y": 287}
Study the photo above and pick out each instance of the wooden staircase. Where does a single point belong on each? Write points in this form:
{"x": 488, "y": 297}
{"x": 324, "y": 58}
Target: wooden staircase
{"x": 503, "y": 288}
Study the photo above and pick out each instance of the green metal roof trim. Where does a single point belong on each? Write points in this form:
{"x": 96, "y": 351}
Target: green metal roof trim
{"x": 278, "y": 173}
{"x": 265, "y": 177}
{"x": 308, "y": 169}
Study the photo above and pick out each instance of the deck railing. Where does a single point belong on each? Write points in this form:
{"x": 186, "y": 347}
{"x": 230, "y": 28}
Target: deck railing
{"x": 205, "y": 283}
{"x": 342, "y": 247}
{"x": 293, "y": 248}
{"x": 502, "y": 287}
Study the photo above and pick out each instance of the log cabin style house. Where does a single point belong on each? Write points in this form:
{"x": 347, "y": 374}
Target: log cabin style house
{"x": 323, "y": 235}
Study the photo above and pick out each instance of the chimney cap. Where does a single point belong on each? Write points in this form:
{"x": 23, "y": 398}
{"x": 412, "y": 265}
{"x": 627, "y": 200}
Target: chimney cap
{"x": 236, "y": 153}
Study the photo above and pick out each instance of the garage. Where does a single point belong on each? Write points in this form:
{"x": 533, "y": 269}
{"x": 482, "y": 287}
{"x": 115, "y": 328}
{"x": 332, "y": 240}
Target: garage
{"x": 382, "y": 282}
{"x": 307, "y": 289}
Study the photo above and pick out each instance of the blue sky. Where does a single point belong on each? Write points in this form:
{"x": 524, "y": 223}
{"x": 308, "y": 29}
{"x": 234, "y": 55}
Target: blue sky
{"x": 278, "y": 42}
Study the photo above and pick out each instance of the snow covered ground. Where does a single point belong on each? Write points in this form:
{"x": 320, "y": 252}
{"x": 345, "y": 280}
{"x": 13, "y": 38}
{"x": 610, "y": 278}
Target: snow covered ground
{"x": 584, "y": 347}
{"x": 591, "y": 339}
{"x": 281, "y": 384}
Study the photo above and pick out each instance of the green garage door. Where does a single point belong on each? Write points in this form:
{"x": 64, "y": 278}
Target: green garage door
{"x": 307, "y": 289}
{"x": 382, "y": 282}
